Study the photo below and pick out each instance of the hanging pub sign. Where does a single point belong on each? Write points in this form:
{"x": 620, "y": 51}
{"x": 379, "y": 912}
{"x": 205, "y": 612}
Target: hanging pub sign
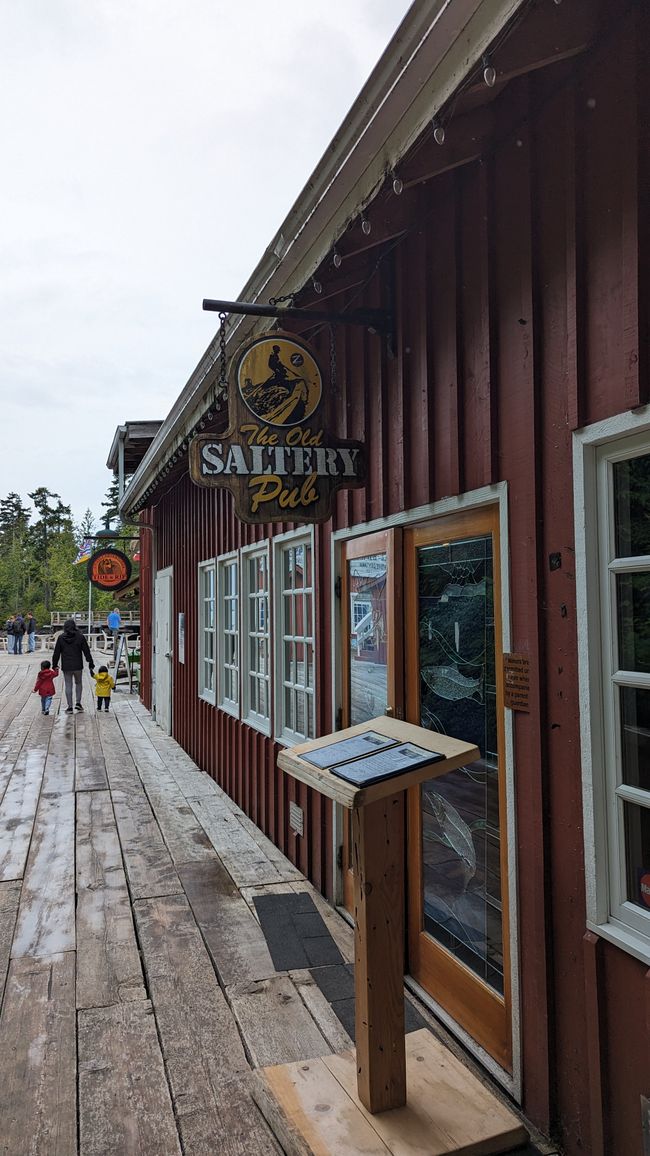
{"x": 109, "y": 569}
{"x": 276, "y": 457}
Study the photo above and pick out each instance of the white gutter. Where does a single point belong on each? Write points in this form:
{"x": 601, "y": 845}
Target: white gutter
{"x": 436, "y": 46}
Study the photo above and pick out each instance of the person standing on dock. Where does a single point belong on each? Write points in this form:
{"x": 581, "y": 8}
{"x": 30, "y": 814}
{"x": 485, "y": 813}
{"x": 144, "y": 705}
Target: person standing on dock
{"x": 30, "y": 628}
{"x": 114, "y": 621}
{"x": 71, "y": 648}
{"x": 9, "y": 627}
{"x": 19, "y": 630}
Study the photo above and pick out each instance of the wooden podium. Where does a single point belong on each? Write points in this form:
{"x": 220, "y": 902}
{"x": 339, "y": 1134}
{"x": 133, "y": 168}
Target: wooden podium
{"x": 346, "y": 1113}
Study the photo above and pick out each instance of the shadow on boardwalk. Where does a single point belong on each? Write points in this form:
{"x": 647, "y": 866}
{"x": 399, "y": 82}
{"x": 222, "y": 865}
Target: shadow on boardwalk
{"x": 138, "y": 990}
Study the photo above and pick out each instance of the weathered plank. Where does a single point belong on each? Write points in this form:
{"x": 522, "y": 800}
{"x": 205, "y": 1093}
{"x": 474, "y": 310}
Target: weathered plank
{"x": 9, "y": 899}
{"x": 108, "y": 960}
{"x": 182, "y": 832}
{"x": 59, "y": 766}
{"x": 322, "y": 1012}
{"x": 90, "y": 766}
{"x": 46, "y": 924}
{"x": 284, "y": 867}
{"x": 38, "y": 1099}
{"x": 204, "y": 1057}
{"x": 148, "y": 864}
{"x": 275, "y": 1022}
{"x": 232, "y": 934}
{"x": 241, "y": 855}
{"x": 17, "y": 814}
{"x": 124, "y": 1102}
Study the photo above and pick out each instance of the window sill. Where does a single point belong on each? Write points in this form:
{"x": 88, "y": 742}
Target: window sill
{"x": 291, "y": 740}
{"x": 623, "y": 938}
{"x": 231, "y": 708}
{"x": 257, "y": 723}
{"x": 204, "y": 696}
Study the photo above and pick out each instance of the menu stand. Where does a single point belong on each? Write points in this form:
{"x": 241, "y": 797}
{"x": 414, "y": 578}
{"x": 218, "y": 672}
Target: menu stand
{"x": 317, "y": 1106}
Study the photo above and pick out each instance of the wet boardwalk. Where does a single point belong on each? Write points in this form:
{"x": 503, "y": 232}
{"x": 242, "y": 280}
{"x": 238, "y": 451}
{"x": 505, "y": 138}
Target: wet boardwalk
{"x": 138, "y": 989}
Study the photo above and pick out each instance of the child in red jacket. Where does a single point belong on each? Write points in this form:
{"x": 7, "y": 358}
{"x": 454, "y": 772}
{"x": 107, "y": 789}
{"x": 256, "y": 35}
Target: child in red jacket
{"x": 45, "y": 685}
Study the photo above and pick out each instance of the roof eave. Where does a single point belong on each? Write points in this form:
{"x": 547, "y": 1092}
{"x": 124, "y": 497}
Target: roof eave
{"x": 433, "y": 50}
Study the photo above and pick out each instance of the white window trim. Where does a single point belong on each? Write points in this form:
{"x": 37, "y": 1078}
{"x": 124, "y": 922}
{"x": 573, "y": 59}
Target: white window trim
{"x": 249, "y": 716}
{"x": 206, "y": 695}
{"x": 619, "y": 922}
{"x": 283, "y": 735}
{"x": 227, "y": 704}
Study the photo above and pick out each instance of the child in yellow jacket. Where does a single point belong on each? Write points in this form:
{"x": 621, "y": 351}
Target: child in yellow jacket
{"x": 104, "y": 684}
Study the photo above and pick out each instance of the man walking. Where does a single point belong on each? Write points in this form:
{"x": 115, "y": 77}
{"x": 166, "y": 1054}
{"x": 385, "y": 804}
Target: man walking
{"x": 114, "y": 621}
{"x": 71, "y": 649}
{"x": 19, "y": 630}
{"x": 30, "y": 628}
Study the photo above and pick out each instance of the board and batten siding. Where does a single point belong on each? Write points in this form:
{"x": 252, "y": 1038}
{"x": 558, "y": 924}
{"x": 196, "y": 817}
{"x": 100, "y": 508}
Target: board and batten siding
{"x": 521, "y": 302}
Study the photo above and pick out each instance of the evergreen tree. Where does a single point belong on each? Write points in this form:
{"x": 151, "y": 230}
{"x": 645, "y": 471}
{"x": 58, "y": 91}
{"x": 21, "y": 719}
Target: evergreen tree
{"x": 111, "y": 504}
{"x": 86, "y": 526}
{"x": 15, "y": 561}
{"x": 14, "y": 518}
{"x": 54, "y": 519}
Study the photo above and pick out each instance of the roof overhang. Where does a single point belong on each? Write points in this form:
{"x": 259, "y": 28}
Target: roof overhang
{"x": 435, "y": 48}
{"x": 135, "y": 437}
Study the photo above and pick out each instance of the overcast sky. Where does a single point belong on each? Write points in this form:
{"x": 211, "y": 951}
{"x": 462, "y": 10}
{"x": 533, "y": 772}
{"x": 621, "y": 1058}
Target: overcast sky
{"x": 150, "y": 149}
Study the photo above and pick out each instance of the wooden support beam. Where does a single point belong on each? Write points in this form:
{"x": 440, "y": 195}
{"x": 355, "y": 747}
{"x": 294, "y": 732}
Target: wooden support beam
{"x": 378, "y": 851}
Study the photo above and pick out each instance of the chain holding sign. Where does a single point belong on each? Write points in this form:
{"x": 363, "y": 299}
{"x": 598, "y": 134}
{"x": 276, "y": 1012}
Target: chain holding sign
{"x": 276, "y": 457}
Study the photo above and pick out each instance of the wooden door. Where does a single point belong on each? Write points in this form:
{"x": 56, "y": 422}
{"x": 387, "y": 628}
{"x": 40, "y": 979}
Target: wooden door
{"x": 372, "y": 669}
{"x": 457, "y": 864}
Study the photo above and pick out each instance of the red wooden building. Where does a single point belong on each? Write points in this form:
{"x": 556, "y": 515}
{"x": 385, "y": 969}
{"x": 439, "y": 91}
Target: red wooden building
{"x": 489, "y": 189}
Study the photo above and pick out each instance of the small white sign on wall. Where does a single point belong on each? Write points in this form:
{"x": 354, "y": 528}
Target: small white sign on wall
{"x": 181, "y": 638}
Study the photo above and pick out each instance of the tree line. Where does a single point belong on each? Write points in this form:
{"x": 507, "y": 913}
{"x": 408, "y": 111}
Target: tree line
{"x": 37, "y": 552}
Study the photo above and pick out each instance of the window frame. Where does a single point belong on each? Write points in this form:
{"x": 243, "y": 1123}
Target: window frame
{"x": 230, "y": 706}
{"x": 204, "y": 693}
{"x": 282, "y": 542}
{"x": 253, "y": 718}
{"x": 596, "y": 449}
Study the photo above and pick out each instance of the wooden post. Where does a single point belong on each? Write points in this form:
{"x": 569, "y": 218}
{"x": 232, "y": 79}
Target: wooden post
{"x": 378, "y": 850}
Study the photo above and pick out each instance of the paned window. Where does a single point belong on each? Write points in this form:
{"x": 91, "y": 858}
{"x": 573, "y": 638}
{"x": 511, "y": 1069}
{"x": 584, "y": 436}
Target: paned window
{"x": 207, "y": 631}
{"x": 228, "y": 632}
{"x": 294, "y": 638}
{"x": 256, "y": 674}
{"x": 613, "y": 572}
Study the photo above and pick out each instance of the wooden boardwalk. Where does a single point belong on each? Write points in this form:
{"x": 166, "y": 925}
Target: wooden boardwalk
{"x": 137, "y": 990}
{"x": 137, "y": 986}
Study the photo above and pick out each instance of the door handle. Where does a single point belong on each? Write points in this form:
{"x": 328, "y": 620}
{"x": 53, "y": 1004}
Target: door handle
{"x": 168, "y": 654}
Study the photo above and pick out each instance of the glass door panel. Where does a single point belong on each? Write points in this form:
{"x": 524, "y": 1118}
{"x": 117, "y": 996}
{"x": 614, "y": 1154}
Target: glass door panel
{"x": 457, "y": 854}
{"x": 371, "y": 686}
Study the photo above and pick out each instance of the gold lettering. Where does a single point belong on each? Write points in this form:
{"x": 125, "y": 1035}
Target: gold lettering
{"x": 257, "y": 435}
{"x": 269, "y": 488}
{"x": 304, "y": 437}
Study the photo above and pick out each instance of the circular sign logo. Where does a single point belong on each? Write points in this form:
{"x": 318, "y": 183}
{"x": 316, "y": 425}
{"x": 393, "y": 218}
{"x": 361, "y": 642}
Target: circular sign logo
{"x": 279, "y": 381}
{"x": 644, "y": 888}
{"x": 109, "y": 569}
